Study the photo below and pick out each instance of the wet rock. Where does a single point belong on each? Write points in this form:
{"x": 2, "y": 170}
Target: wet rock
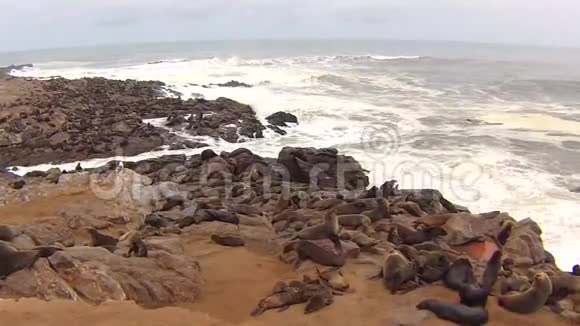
{"x": 233, "y": 83}
{"x": 281, "y": 119}
{"x": 325, "y": 166}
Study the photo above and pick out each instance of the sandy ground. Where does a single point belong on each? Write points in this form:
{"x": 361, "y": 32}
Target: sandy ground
{"x": 237, "y": 278}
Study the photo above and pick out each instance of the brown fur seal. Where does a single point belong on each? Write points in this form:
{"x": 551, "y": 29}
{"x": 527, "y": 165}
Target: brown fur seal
{"x": 289, "y": 296}
{"x": 328, "y": 230}
{"x": 411, "y": 208}
{"x": 244, "y": 209}
{"x": 138, "y": 247}
{"x": 318, "y": 302}
{"x": 7, "y": 233}
{"x": 397, "y": 272}
{"x": 358, "y": 237}
{"x": 13, "y": 260}
{"x": 102, "y": 240}
{"x": 228, "y": 240}
{"x": 460, "y": 274}
{"x": 505, "y": 232}
{"x": 433, "y": 220}
{"x": 456, "y": 313}
{"x": 325, "y": 204}
{"x": 354, "y": 220}
{"x": 381, "y": 211}
{"x": 356, "y": 207}
{"x": 409, "y": 236}
{"x": 309, "y": 250}
{"x": 532, "y": 299}
{"x": 491, "y": 272}
{"x": 334, "y": 278}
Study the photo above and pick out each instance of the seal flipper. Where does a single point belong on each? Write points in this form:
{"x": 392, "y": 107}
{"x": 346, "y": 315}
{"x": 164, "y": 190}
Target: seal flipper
{"x": 258, "y": 311}
{"x": 377, "y": 276}
{"x": 284, "y": 308}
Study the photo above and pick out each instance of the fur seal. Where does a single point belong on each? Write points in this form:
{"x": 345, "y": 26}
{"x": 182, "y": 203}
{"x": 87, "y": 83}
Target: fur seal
{"x": 244, "y": 209}
{"x": 358, "y": 237}
{"x": 354, "y": 220}
{"x": 397, "y": 272}
{"x": 334, "y": 278}
{"x": 309, "y": 250}
{"x": 356, "y": 207}
{"x": 454, "y": 312}
{"x": 228, "y": 240}
{"x": 102, "y": 240}
{"x": 381, "y": 211}
{"x": 505, "y": 232}
{"x": 459, "y": 274}
{"x": 7, "y": 233}
{"x": 530, "y": 300}
{"x": 491, "y": 272}
{"x": 318, "y": 302}
{"x": 432, "y": 266}
{"x": 327, "y": 230}
{"x": 409, "y": 236}
{"x": 411, "y": 208}
{"x": 137, "y": 246}
{"x": 433, "y": 220}
{"x": 325, "y": 204}
{"x": 285, "y": 298}
{"x": 13, "y": 260}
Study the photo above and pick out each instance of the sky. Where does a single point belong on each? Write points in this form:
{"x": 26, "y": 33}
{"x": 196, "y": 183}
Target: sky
{"x": 30, "y": 24}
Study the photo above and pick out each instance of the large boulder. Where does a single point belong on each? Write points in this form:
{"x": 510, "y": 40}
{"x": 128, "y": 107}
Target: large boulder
{"x": 525, "y": 244}
{"x": 97, "y": 275}
{"x": 324, "y": 168}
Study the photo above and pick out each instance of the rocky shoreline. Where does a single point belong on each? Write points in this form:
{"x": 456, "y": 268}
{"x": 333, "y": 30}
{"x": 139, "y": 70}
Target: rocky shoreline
{"x": 157, "y": 216}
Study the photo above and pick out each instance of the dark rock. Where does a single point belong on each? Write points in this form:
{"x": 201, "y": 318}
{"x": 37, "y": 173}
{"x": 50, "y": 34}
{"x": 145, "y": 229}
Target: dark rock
{"x": 281, "y": 119}
{"x": 330, "y": 169}
{"x": 277, "y": 130}
{"x": 233, "y": 83}
{"x": 18, "y": 184}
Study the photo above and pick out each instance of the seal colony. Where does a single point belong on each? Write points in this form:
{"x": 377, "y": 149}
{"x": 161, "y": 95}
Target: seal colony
{"x": 240, "y": 201}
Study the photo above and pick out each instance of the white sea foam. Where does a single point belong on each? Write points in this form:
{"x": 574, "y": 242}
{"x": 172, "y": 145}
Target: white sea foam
{"x": 380, "y": 136}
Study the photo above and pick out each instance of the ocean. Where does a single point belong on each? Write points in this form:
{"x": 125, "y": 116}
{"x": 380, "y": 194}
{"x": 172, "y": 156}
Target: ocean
{"x": 494, "y": 127}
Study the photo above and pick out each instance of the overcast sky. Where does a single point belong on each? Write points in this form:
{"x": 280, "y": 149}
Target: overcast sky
{"x": 30, "y": 24}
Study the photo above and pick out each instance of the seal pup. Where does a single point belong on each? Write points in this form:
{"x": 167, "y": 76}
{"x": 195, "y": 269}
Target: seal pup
{"x": 137, "y": 247}
{"x": 318, "y": 302}
{"x": 283, "y": 299}
{"x": 13, "y": 260}
{"x": 228, "y": 240}
{"x": 397, "y": 272}
{"x": 308, "y": 250}
{"x": 456, "y": 313}
{"x": 381, "y": 211}
{"x": 334, "y": 279}
{"x": 530, "y": 300}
